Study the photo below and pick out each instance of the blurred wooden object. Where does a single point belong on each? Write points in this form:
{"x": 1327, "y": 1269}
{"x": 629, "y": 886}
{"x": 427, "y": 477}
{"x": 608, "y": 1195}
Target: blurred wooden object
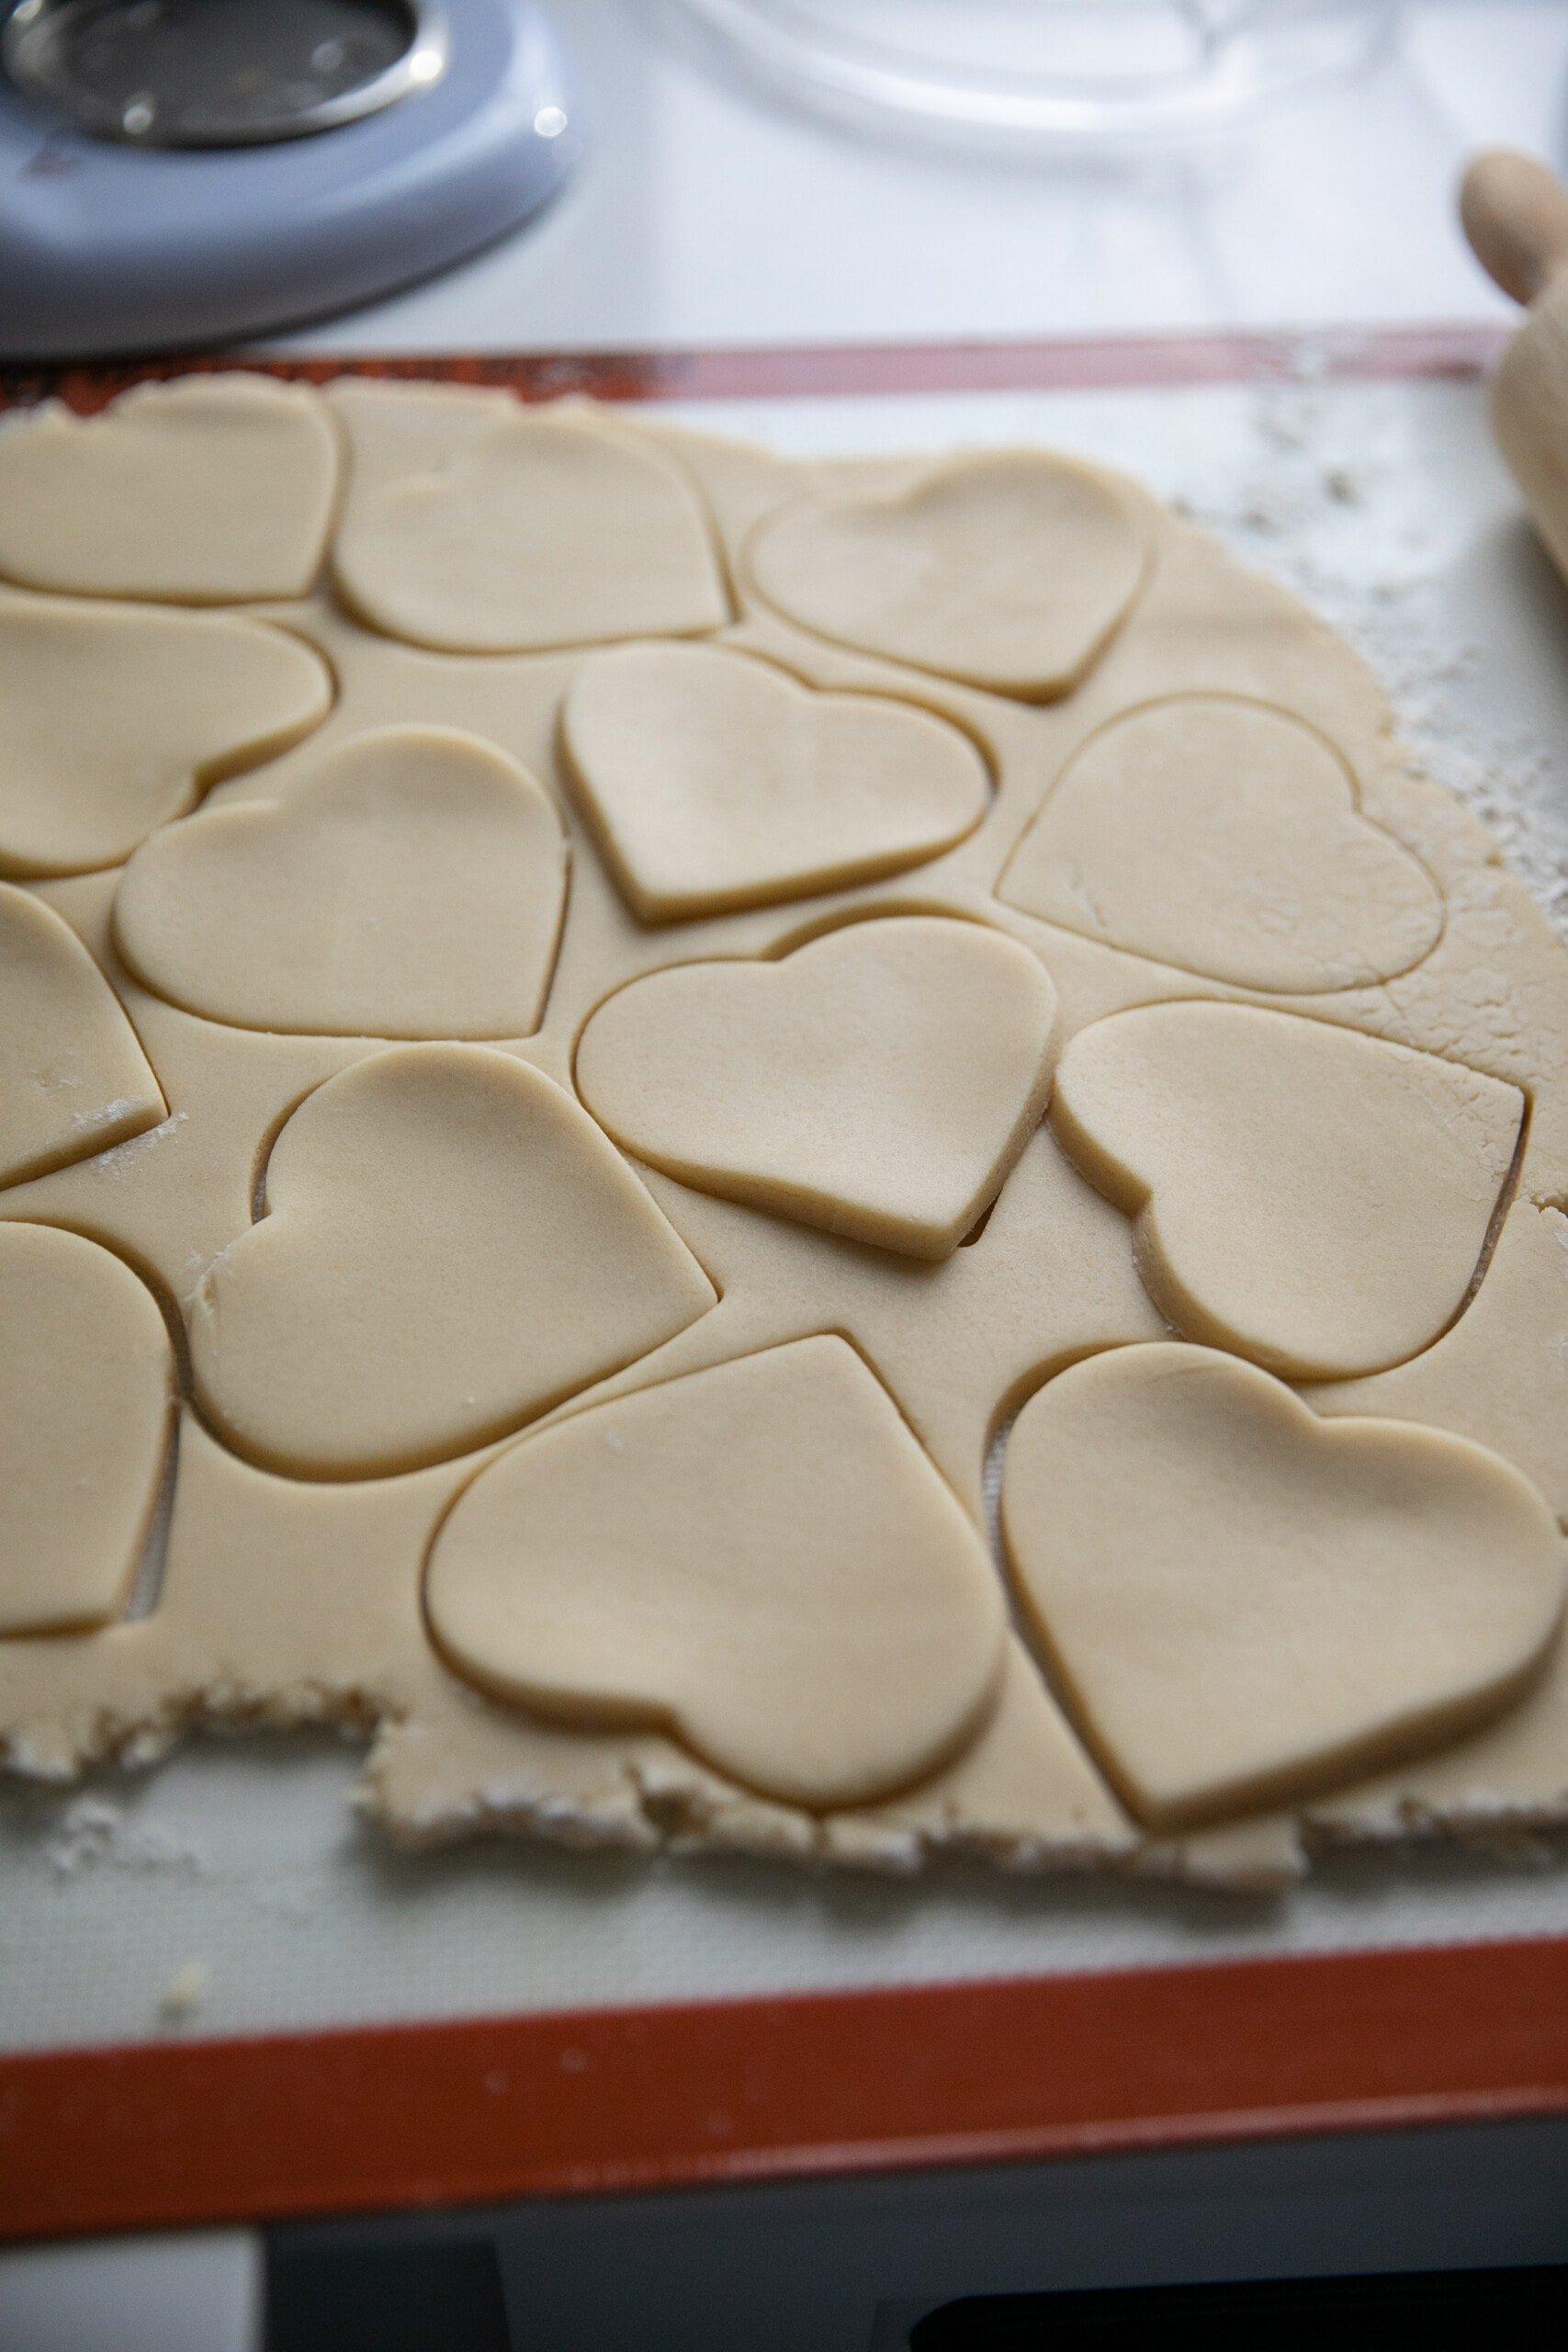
{"x": 1515, "y": 213}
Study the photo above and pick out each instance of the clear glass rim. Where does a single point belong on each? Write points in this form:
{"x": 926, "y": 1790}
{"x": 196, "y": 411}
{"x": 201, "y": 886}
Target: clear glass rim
{"x": 1247, "y": 56}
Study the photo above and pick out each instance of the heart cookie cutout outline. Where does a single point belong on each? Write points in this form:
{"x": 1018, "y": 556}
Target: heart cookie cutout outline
{"x": 1009, "y": 570}
{"x": 804, "y": 1603}
{"x": 410, "y": 885}
{"x": 1225, "y": 837}
{"x": 1316, "y": 1199}
{"x": 449, "y": 1247}
{"x": 86, "y": 1414}
{"x": 541, "y": 534}
{"x": 714, "y": 780}
{"x": 198, "y": 491}
{"x": 74, "y": 1079}
{"x": 118, "y": 716}
{"x": 1245, "y": 1603}
{"x": 879, "y": 1081}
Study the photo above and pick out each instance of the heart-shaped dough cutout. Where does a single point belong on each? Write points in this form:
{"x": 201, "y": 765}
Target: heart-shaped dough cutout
{"x": 1308, "y": 1196}
{"x": 759, "y": 1558}
{"x": 86, "y": 1390}
{"x": 210, "y": 491}
{"x": 880, "y": 1081}
{"x": 1246, "y": 1603}
{"x": 74, "y": 1079}
{"x": 450, "y": 1247}
{"x": 544, "y": 532}
{"x": 411, "y": 886}
{"x": 1006, "y": 571}
{"x": 1225, "y": 837}
{"x": 717, "y": 781}
{"x": 117, "y": 717}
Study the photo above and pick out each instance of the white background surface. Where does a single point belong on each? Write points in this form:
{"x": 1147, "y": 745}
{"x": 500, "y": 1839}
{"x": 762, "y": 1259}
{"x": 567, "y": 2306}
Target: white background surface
{"x": 703, "y": 217}
{"x": 706, "y": 214}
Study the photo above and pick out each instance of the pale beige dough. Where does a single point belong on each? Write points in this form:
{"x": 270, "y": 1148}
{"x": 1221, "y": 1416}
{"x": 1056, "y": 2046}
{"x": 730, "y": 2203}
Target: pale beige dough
{"x": 212, "y": 491}
{"x": 1500, "y": 1375}
{"x": 1006, "y": 571}
{"x": 72, "y": 1077}
{"x": 1026, "y": 1776}
{"x": 758, "y": 1556}
{"x": 1225, "y": 837}
{"x": 392, "y": 431}
{"x": 542, "y": 531}
{"x": 449, "y": 1246}
{"x": 1313, "y": 1199}
{"x": 412, "y": 886}
{"x": 880, "y": 1081}
{"x": 87, "y": 1392}
{"x": 117, "y": 717}
{"x": 299, "y": 1598}
{"x": 715, "y": 781}
{"x": 1246, "y": 1603}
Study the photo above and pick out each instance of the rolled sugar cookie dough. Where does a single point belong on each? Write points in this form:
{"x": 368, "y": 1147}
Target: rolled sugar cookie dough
{"x": 72, "y": 1077}
{"x": 118, "y": 716}
{"x": 715, "y": 781}
{"x": 412, "y": 886}
{"x": 602, "y": 1040}
{"x": 879, "y": 1082}
{"x": 1224, "y": 837}
{"x": 1316, "y": 1200}
{"x": 218, "y": 490}
{"x": 1244, "y": 1600}
{"x": 86, "y": 1386}
{"x": 1007, "y": 572}
{"x": 759, "y": 1556}
{"x": 449, "y": 1245}
{"x": 543, "y": 531}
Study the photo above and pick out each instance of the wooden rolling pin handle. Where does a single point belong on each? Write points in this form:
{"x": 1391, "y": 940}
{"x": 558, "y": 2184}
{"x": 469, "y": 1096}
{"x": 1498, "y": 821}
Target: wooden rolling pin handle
{"x": 1515, "y": 212}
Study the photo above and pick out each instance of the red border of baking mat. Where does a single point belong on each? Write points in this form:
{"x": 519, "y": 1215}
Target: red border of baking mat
{"x": 1097, "y": 363}
{"x": 478, "y": 2110}
{"x": 481, "y": 2110}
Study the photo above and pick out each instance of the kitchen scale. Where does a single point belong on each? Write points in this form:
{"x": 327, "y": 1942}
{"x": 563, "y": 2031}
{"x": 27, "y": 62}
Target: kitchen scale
{"x": 175, "y": 171}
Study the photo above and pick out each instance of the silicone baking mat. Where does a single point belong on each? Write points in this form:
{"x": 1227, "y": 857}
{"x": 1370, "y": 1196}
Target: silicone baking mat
{"x": 222, "y": 1997}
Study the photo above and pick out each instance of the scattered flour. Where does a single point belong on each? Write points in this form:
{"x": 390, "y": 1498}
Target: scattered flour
{"x": 1329, "y": 495}
{"x": 95, "y": 1830}
{"x": 114, "y": 1162}
{"x": 105, "y": 1114}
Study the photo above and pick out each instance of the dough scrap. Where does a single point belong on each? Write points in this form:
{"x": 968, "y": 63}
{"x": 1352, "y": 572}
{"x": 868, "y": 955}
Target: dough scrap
{"x": 117, "y": 716}
{"x": 1224, "y": 837}
{"x": 412, "y": 886}
{"x": 542, "y": 532}
{"x": 879, "y": 1081}
{"x": 86, "y": 1397}
{"x": 1308, "y": 1196}
{"x": 210, "y": 491}
{"x": 757, "y": 1557}
{"x": 1246, "y": 1603}
{"x": 717, "y": 781}
{"x": 74, "y": 1079}
{"x": 1007, "y": 569}
{"x": 1027, "y": 1776}
{"x": 1499, "y": 1374}
{"x": 450, "y": 1247}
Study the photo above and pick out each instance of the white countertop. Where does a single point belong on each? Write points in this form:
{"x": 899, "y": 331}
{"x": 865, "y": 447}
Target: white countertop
{"x": 705, "y": 213}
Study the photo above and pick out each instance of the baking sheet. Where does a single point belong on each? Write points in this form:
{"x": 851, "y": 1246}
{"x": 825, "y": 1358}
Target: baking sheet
{"x": 231, "y": 1890}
